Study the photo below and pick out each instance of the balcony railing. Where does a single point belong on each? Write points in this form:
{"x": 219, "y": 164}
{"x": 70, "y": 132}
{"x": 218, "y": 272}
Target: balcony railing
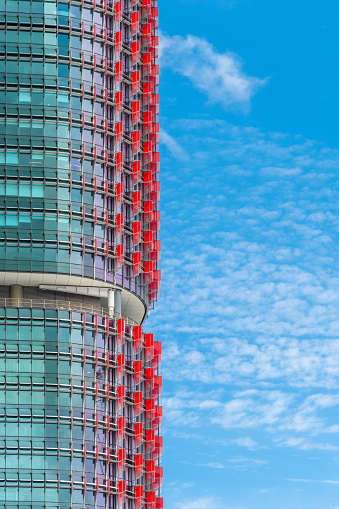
{"x": 63, "y": 305}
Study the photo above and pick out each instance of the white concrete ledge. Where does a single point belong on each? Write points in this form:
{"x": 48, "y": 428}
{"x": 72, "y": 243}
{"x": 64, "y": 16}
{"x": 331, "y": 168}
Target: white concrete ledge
{"x": 132, "y": 306}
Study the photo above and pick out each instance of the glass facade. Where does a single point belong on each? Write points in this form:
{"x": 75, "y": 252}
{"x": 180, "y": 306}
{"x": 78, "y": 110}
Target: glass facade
{"x": 79, "y": 408}
{"x": 80, "y": 393}
{"x": 78, "y": 145}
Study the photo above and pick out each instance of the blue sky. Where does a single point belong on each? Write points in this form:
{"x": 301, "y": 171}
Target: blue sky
{"x": 249, "y": 314}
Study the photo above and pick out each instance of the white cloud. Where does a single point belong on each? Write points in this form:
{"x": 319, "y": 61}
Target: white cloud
{"x": 172, "y": 145}
{"x": 306, "y": 418}
{"x": 180, "y": 485}
{"x": 282, "y": 172}
{"x": 251, "y": 261}
{"x": 251, "y": 290}
{"x": 275, "y": 412}
{"x": 219, "y": 75}
{"x": 307, "y": 445}
{"x": 300, "y": 363}
{"x": 317, "y": 481}
{"x": 217, "y": 466}
{"x": 246, "y": 442}
{"x": 254, "y": 409}
{"x": 202, "y": 503}
{"x": 232, "y": 463}
{"x": 246, "y": 463}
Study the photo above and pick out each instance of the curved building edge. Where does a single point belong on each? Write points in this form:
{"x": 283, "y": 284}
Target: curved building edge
{"x": 130, "y": 306}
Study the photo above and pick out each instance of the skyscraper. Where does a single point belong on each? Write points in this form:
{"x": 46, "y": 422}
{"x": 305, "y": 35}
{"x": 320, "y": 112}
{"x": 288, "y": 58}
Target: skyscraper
{"x": 80, "y": 386}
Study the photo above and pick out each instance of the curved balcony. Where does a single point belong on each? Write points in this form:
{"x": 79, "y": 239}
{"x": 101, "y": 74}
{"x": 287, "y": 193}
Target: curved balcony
{"x": 62, "y": 305}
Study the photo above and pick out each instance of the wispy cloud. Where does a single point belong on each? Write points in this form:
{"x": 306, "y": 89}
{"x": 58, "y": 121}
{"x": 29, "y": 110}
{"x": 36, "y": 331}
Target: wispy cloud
{"x": 172, "y": 145}
{"x": 252, "y": 288}
{"x": 202, "y": 503}
{"x": 277, "y": 411}
{"x": 219, "y": 75}
{"x": 246, "y": 442}
{"x": 232, "y": 463}
{"x": 254, "y": 408}
{"x": 304, "y": 444}
{"x": 317, "y": 481}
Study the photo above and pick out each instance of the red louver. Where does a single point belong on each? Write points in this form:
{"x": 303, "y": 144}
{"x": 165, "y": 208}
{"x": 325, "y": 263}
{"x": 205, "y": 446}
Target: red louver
{"x": 135, "y": 17}
{"x": 135, "y": 50}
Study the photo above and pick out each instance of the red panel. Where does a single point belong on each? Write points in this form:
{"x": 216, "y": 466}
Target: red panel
{"x": 137, "y": 337}
{"x": 121, "y": 365}
{"x": 119, "y": 192}
{"x": 121, "y": 459}
{"x": 135, "y": 142}
{"x": 139, "y": 491}
{"x": 138, "y": 399}
{"x": 120, "y": 329}
{"x": 121, "y": 428}
{"x": 120, "y": 254}
{"x": 138, "y": 432}
{"x": 146, "y": 62}
{"x": 146, "y": 7}
{"x": 139, "y": 494}
{"x": 157, "y": 384}
{"x": 136, "y": 171}
{"x": 148, "y": 267}
{"x": 148, "y": 177}
{"x": 120, "y": 223}
{"x": 158, "y": 445}
{"x": 149, "y": 372}
{"x": 158, "y": 477}
{"x": 121, "y": 396}
{"x": 118, "y": 162}
{"x": 150, "y": 441}
{"x": 146, "y": 34}
{"x": 148, "y": 207}
{"x": 148, "y": 236}
{"x": 147, "y": 116}
{"x": 135, "y": 50}
{"x": 149, "y": 345}
{"x": 118, "y": 102}
{"x": 136, "y": 232}
{"x": 136, "y": 198}
{"x": 135, "y": 22}
{"x": 118, "y": 43}
{"x": 138, "y": 462}
{"x": 147, "y": 148}
{"x": 147, "y": 90}
{"x": 159, "y": 503}
{"x": 150, "y": 500}
{"x": 150, "y": 466}
{"x": 136, "y": 262}
{"x": 150, "y": 472}
{"x": 122, "y": 492}
{"x": 135, "y": 81}
{"x": 118, "y": 132}
{"x": 118, "y": 11}
{"x": 157, "y": 418}
{"x": 149, "y": 414}
{"x": 118, "y": 72}
{"x": 135, "y": 112}
{"x": 137, "y": 367}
